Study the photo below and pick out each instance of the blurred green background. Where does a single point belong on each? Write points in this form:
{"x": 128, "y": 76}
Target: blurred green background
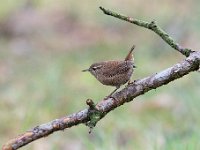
{"x": 44, "y": 45}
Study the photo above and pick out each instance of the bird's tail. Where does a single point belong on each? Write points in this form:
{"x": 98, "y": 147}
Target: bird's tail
{"x": 130, "y": 54}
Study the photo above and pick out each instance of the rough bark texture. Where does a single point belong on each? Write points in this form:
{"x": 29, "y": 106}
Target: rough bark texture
{"x": 93, "y": 114}
{"x": 127, "y": 94}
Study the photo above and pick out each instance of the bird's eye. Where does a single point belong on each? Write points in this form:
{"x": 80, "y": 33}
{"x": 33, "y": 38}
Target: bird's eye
{"x": 96, "y": 67}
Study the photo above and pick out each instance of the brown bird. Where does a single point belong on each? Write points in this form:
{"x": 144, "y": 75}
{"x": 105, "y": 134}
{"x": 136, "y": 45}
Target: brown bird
{"x": 114, "y": 72}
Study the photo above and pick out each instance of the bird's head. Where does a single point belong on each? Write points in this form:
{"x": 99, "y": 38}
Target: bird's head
{"x": 94, "y": 69}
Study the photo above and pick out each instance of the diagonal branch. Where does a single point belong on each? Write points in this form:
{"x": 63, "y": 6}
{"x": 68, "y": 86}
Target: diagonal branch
{"x": 152, "y": 26}
{"x": 127, "y": 94}
{"x": 90, "y": 116}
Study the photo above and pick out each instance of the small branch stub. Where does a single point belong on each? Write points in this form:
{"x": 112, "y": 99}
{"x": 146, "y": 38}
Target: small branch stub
{"x": 90, "y": 103}
{"x": 93, "y": 114}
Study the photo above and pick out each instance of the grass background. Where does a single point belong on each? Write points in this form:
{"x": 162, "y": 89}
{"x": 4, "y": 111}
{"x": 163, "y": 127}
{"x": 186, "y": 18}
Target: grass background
{"x": 44, "y": 45}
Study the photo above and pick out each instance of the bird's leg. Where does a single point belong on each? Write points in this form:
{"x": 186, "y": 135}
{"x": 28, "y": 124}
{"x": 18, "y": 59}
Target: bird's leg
{"x": 110, "y": 95}
{"x": 114, "y": 91}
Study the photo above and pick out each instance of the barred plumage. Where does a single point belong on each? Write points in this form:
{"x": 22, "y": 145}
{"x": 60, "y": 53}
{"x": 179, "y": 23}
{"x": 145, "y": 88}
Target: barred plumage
{"x": 113, "y": 73}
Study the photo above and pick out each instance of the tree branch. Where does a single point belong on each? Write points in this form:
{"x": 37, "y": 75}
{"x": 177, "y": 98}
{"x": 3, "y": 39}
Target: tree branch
{"x": 152, "y": 26}
{"x": 90, "y": 116}
{"x": 127, "y": 94}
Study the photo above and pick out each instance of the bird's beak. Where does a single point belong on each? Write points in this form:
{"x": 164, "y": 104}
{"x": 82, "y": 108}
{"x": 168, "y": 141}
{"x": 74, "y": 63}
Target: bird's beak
{"x": 134, "y": 66}
{"x": 85, "y": 70}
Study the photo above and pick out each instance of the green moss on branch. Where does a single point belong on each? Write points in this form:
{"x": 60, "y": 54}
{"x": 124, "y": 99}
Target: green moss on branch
{"x": 152, "y": 26}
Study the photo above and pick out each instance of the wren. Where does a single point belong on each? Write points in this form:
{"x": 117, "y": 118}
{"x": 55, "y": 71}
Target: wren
{"x": 114, "y": 72}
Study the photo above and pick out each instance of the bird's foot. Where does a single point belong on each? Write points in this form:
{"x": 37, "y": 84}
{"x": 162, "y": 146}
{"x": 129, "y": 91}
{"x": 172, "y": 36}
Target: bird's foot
{"x": 129, "y": 83}
{"x": 107, "y": 97}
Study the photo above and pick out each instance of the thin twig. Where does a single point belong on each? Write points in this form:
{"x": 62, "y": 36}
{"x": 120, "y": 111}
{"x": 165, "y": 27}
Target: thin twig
{"x": 152, "y": 26}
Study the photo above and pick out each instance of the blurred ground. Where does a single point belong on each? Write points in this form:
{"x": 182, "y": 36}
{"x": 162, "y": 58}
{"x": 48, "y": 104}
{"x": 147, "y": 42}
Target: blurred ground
{"x": 44, "y": 45}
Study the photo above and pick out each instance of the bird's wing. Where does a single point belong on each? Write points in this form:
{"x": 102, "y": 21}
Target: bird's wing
{"x": 115, "y": 67}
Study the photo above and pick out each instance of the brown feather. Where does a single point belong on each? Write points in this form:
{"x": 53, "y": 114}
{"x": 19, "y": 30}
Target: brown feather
{"x": 130, "y": 54}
